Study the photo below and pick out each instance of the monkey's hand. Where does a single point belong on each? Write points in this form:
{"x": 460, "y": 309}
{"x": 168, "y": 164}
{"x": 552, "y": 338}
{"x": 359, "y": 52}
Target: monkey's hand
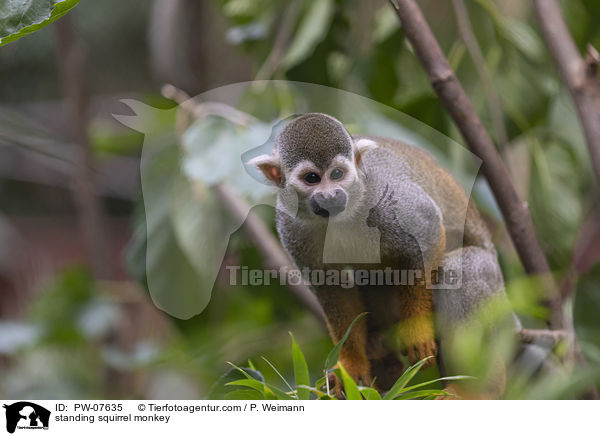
{"x": 417, "y": 336}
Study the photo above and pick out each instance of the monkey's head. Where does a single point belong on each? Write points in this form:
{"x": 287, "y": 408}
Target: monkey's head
{"x": 315, "y": 156}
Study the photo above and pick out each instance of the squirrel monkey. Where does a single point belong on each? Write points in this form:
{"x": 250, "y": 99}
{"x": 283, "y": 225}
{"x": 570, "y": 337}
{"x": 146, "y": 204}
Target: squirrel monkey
{"x": 333, "y": 187}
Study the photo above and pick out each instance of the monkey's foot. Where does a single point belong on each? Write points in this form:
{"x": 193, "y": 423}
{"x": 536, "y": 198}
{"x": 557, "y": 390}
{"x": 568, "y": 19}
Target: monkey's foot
{"x": 450, "y": 389}
{"x": 417, "y": 335}
{"x": 335, "y": 386}
{"x": 359, "y": 373}
{"x": 422, "y": 350}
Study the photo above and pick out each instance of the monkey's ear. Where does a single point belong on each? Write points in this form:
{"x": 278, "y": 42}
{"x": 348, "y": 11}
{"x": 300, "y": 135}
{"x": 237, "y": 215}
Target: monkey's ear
{"x": 270, "y": 166}
{"x": 362, "y": 146}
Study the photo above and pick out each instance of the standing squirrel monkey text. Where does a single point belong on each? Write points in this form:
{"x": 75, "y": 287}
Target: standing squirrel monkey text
{"x": 373, "y": 203}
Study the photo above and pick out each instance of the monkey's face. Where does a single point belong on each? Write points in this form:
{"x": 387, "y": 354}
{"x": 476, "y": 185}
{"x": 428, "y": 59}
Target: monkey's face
{"x": 316, "y": 159}
{"x": 326, "y": 191}
{"x": 334, "y": 190}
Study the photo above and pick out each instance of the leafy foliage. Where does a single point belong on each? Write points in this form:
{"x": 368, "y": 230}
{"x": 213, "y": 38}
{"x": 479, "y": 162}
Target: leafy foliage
{"x": 20, "y": 18}
{"x": 354, "y": 46}
{"x": 259, "y": 389}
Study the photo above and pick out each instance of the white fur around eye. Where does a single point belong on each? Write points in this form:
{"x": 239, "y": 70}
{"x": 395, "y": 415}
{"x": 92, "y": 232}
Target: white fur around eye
{"x": 302, "y": 168}
{"x": 347, "y": 166}
{"x": 296, "y": 176}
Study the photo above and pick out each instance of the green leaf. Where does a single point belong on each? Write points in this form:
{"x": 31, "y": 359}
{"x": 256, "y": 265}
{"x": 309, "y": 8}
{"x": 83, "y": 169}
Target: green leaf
{"x": 334, "y": 354}
{"x": 424, "y": 394}
{"x": 248, "y": 376}
{"x": 249, "y": 383}
{"x": 19, "y": 18}
{"x": 269, "y": 394}
{"x": 212, "y": 155}
{"x": 427, "y": 383}
{"x": 312, "y": 30}
{"x": 404, "y": 379}
{"x": 278, "y": 373}
{"x": 321, "y": 382}
{"x": 184, "y": 231}
{"x": 219, "y": 388}
{"x": 350, "y": 388}
{"x": 280, "y": 394}
{"x": 301, "y": 374}
{"x": 320, "y": 394}
{"x": 369, "y": 393}
{"x": 244, "y": 394}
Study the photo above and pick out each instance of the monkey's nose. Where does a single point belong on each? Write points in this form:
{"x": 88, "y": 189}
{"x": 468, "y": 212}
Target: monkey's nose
{"x": 327, "y": 204}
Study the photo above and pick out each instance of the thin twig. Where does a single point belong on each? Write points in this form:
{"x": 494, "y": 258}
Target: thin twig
{"x": 546, "y": 337}
{"x": 202, "y": 109}
{"x": 580, "y": 76}
{"x": 452, "y": 95}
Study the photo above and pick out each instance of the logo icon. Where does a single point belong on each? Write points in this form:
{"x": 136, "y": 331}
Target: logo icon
{"x": 26, "y": 415}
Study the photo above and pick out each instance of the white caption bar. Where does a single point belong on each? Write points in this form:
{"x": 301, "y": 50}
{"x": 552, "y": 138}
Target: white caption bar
{"x": 306, "y": 417}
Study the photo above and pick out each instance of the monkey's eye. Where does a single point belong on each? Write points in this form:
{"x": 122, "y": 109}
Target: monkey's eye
{"x": 336, "y": 174}
{"x": 312, "y": 178}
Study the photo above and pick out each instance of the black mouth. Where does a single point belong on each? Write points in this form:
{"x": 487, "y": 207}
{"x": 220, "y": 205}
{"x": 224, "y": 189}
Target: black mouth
{"x": 326, "y": 213}
{"x": 321, "y": 212}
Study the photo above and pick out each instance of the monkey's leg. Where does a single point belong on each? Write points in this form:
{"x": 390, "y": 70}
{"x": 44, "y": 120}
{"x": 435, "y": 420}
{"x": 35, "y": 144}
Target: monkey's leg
{"x": 386, "y": 367}
{"x": 415, "y": 328}
{"x": 341, "y": 307}
{"x": 466, "y": 308}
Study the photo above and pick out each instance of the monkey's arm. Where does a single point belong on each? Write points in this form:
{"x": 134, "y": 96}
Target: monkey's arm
{"x": 341, "y": 307}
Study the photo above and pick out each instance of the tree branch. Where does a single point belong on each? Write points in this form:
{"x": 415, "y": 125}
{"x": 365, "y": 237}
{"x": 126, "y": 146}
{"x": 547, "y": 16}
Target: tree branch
{"x": 268, "y": 245}
{"x": 201, "y": 110}
{"x": 549, "y": 337}
{"x": 578, "y": 74}
{"x": 453, "y": 97}
{"x": 257, "y": 231}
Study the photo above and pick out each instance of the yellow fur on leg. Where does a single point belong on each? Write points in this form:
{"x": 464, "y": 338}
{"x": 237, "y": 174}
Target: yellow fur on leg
{"x": 417, "y": 336}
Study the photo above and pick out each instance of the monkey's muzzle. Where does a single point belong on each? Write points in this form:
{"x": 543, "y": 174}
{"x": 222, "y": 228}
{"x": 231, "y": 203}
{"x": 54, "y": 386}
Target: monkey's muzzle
{"x": 329, "y": 204}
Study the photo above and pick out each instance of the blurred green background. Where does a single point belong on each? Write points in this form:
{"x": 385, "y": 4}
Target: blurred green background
{"x": 71, "y": 331}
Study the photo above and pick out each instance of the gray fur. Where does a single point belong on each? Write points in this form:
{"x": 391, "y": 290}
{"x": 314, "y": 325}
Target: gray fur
{"x": 410, "y": 200}
{"x": 404, "y": 200}
{"x": 481, "y": 280}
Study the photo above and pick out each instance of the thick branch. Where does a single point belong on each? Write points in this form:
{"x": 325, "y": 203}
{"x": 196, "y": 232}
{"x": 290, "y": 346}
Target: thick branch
{"x": 580, "y": 76}
{"x": 446, "y": 85}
